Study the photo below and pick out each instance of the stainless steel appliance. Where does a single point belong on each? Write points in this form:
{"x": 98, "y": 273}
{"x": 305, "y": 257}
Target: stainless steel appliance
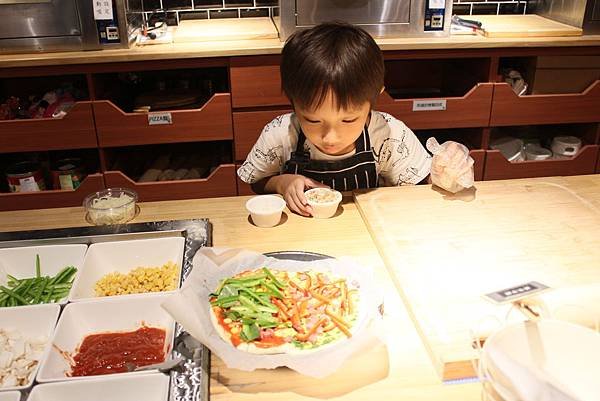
{"x": 381, "y": 18}
{"x": 580, "y": 13}
{"x": 56, "y": 25}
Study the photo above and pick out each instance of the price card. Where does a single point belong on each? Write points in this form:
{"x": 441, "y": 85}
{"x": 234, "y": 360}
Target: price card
{"x": 103, "y": 9}
{"x": 515, "y": 293}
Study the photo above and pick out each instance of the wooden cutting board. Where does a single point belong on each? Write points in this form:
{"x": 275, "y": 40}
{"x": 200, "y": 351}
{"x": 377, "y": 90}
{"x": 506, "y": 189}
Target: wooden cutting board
{"x": 444, "y": 252}
{"x": 511, "y": 26}
{"x": 225, "y": 29}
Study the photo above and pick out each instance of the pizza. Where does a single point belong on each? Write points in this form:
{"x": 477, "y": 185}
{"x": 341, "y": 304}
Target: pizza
{"x": 265, "y": 311}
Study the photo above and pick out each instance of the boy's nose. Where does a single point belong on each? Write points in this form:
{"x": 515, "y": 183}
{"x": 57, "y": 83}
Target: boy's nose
{"x": 330, "y": 136}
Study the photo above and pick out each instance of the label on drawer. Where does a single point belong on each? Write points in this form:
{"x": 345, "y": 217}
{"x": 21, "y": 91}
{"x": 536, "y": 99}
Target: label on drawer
{"x": 159, "y": 118}
{"x": 428, "y": 105}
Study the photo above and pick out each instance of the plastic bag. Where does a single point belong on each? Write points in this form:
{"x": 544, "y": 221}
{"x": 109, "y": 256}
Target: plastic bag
{"x": 451, "y": 167}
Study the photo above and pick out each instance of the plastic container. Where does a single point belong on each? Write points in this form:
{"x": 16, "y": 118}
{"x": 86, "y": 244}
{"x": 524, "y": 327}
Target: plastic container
{"x": 110, "y": 206}
{"x": 323, "y": 201}
{"x": 564, "y": 147}
{"x": 511, "y": 148}
{"x": 265, "y": 210}
{"x": 536, "y": 152}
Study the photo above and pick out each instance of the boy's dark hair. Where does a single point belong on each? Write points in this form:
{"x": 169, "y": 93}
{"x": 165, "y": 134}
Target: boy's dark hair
{"x": 332, "y": 56}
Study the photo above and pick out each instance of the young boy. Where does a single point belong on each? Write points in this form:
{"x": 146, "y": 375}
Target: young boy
{"x": 333, "y": 74}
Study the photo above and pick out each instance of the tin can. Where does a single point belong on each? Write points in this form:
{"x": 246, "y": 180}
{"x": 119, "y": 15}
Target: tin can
{"x": 25, "y": 177}
{"x": 67, "y": 173}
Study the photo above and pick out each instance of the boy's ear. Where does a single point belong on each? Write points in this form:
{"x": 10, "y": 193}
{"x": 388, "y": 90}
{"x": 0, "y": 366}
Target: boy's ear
{"x": 382, "y": 89}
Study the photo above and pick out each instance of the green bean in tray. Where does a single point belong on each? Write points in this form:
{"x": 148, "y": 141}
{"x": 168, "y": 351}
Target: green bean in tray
{"x": 37, "y": 290}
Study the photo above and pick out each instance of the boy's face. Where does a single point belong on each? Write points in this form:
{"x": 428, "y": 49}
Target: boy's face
{"x": 331, "y": 130}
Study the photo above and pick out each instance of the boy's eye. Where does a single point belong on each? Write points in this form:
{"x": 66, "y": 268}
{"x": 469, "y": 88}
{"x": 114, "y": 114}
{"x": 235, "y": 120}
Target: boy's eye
{"x": 313, "y": 121}
{"x": 350, "y": 121}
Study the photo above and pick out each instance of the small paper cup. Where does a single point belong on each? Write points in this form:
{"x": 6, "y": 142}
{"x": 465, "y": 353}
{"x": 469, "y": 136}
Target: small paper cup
{"x": 265, "y": 210}
{"x": 323, "y": 201}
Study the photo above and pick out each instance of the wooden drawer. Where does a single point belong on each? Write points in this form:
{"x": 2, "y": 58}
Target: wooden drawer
{"x": 73, "y": 131}
{"x": 221, "y": 182}
{"x": 510, "y": 109}
{"x": 211, "y": 122}
{"x": 255, "y": 81}
{"x": 52, "y": 198}
{"x": 470, "y": 110}
{"x": 498, "y": 168}
{"x": 242, "y": 187}
{"x": 478, "y": 156}
{"x": 247, "y": 127}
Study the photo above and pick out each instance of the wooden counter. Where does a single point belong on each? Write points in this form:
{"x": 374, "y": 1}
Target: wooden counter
{"x": 403, "y": 372}
{"x": 445, "y": 252}
{"x": 427, "y": 235}
{"x": 274, "y": 46}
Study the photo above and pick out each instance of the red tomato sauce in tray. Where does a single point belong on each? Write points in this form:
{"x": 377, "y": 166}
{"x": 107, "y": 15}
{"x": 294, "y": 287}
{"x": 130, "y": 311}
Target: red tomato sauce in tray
{"x": 106, "y": 353}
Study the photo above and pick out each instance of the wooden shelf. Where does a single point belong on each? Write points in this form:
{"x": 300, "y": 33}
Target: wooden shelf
{"x": 52, "y": 198}
{"x": 73, "y": 131}
{"x": 242, "y": 187}
{"x": 470, "y": 110}
{"x": 497, "y": 167}
{"x": 478, "y": 156}
{"x": 221, "y": 182}
{"x": 247, "y": 127}
{"x": 210, "y": 122}
{"x": 256, "y": 82}
{"x": 510, "y": 109}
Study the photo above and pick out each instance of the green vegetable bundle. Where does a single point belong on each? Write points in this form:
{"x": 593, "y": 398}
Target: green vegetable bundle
{"x": 248, "y": 300}
{"x": 37, "y": 290}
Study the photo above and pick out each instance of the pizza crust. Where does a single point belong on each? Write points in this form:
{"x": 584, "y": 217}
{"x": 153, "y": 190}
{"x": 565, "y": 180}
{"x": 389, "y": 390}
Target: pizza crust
{"x": 248, "y": 347}
{"x": 287, "y": 348}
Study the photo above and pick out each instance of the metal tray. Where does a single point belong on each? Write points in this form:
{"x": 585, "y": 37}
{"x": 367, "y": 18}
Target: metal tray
{"x": 191, "y": 381}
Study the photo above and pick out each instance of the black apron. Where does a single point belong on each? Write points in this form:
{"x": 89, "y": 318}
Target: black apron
{"x": 355, "y": 172}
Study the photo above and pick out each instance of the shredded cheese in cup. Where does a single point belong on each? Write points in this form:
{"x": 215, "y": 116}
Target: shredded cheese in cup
{"x": 112, "y": 206}
{"x": 321, "y": 195}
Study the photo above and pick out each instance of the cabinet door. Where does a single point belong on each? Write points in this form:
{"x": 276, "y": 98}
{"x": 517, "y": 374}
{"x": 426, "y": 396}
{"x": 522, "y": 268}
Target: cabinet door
{"x": 255, "y": 81}
{"x": 247, "y": 126}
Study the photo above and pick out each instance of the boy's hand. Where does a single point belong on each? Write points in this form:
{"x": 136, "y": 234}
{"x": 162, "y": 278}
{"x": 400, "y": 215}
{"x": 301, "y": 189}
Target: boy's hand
{"x": 452, "y": 167}
{"x": 292, "y": 187}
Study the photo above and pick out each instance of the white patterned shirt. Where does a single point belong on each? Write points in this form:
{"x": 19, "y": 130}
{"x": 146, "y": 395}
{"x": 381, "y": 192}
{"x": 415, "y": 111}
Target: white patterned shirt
{"x": 400, "y": 157}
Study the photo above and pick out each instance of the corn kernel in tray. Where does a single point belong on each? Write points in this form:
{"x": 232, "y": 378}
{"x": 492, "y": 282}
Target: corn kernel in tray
{"x": 139, "y": 280}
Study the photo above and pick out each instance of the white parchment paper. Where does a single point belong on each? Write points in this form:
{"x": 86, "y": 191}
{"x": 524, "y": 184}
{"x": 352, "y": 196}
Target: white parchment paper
{"x": 190, "y": 307}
